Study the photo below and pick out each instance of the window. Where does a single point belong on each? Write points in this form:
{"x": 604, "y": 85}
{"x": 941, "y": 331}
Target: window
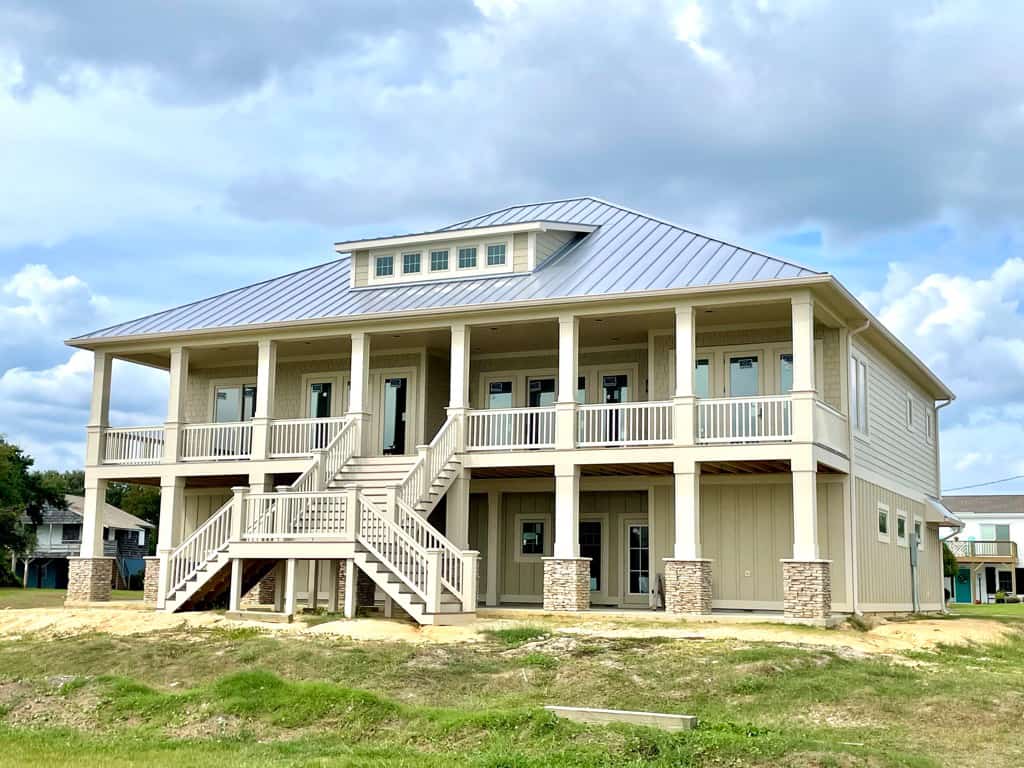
{"x": 499, "y": 394}
{"x": 910, "y": 412}
{"x": 883, "y": 522}
{"x": 785, "y": 372}
{"x": 495, "y": 255}
{"x": 901, "y": 528}
{"x": 541, "y": 392}
{"x": 234, "y": 402}
{"x": 929, "y": 425}
{"x": 71, "y": 533}
{"x": 410, "y": 263}
{"x": 919, "y": 534}
{"x": 702, "y": 378}
{"x": 384, "y": 266}
{"x": 467, "y": 257}
{"x": 532, "y": 537}
{"x": 581, "y": 390}
{"x": 859, "y": 394}
{"x": 438, "y": 261}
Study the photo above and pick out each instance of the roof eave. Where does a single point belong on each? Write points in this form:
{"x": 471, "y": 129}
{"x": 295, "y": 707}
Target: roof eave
{"x": 347, "y": 246}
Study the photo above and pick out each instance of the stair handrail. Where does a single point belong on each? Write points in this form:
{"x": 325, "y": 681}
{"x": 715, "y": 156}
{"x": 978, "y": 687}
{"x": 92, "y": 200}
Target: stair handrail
{"x": 185, "y": 559}
{"x": 452, "y": 567}
{"x": 326, "y": 461}
{"x": 431, "y": 461}
{"x": 393, "y": 547}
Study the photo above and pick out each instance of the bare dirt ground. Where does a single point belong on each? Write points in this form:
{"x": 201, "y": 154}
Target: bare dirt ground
{"x": 884, "y": 638}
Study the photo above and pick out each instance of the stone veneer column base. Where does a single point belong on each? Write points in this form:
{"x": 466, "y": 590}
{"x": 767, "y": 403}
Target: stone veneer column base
{"x": 89, "y": 579}
{"x": 687, "y": 586}
{"x": 151, "y": 581}
{"x": 807, "y": 589}
{"x": 566, "y": 583}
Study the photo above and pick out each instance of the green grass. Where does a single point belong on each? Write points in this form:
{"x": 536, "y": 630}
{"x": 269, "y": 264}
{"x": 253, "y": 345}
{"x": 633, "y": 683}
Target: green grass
{"x": 227, "y": 697}
{"x": 16, "y": 597}
{"x": 1002, "y": 611}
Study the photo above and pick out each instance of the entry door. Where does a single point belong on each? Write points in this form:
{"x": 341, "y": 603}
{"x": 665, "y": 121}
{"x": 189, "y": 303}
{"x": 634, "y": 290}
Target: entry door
{"x": 638, "y": 562}
{"x": 962, "y": 588}
{"x": 395, "y": 398}
{"x": 743, "y": 375}
{"x": 614, "y": 390}
{"x": 540, "y": 392}
{"x": 319, "y": 405}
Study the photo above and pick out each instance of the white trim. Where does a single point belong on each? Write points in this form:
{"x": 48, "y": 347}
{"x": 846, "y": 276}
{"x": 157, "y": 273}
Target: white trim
{"x": 902, "y": 541}
{"x": 883, "y": 481}
{"x": 885, "y": 538}
{"x": 625, "y": 596}
{"x": 547, "y": 520}
{"x": 348, "y": 246}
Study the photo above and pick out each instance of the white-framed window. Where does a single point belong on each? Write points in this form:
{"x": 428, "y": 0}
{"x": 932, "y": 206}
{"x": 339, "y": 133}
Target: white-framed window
{"x": 919, "y": 532}
{"x": 496, "y": 255}
{"x": 467, "y": 257}
{"x": 439, "y": 260}
{"x": 929, "y": 425}
{"x": 410, "y": 263}
{"x": 883, "y": 523}
{"x": 384, "y": 266}
{"x": 859, "y": 394}
{"x": 234, "y": 402}
{"x": 901, "y": 527}
{"x": 531, "y": 538}
{"x": 910, "y": 412}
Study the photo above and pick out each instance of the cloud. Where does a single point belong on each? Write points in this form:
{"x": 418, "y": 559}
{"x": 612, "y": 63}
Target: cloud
{"x": 970, "y": 331}
{"x": 45, "y": 411}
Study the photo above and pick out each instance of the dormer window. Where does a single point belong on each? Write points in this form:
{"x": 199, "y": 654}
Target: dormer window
{"x": 384, "y": 266}
{"x": 496, "y": 255}
{"x": 467, "y": 257}
{"x": 439, "y": 260}
{"x": 410, "y": 263}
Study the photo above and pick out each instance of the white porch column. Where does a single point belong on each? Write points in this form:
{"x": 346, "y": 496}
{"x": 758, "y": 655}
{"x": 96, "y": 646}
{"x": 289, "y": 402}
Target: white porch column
{"x": 806, "y": 579}
{"x": 805, "y": 509}
{"x": 169, "y": 535}
{"x": 176, "y": 404}
{"x": 92, "y": 517}
{"x": 99, "y": 409}
{"x": 457, "y": 510}
{"x": 566, "y": 574}
{"x": 568, "y": 371}
{"x": 290, "y": 586}
{"x": 459, "y": 384}
{"x": 567, "y": 510}
{"x": 235, "y": 597}
{"x": 687, "y": 511}
{"x": 803, "y": 393}
{"x": 494, "y": 502}
{"x": 266, "y": 381}
{"x": 684, "y": 399}
{"x": 687, "y": 574}
{"x": 359, "y": 384}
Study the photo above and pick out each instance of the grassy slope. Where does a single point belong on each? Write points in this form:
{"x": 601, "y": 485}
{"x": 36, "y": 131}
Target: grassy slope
{"x": 15, "y": 597}
{"x": 1002, "y": 611}
{"x": 245, "y": 697}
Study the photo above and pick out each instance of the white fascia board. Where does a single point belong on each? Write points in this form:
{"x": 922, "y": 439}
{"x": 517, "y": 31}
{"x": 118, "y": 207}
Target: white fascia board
{"x": 459, "y": 234}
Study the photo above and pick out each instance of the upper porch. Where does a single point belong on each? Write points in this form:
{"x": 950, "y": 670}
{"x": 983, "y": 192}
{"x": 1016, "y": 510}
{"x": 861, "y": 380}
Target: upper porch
{"x": 729, "y": 379}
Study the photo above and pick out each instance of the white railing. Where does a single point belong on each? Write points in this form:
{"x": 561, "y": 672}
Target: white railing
{"x": 995, "y": 548}
{"x": 452, "y": 567}
{"x": 327, "y": 462}
{"x": 133, "y": 445}
{"x": 294, "y": 516}
{"x": 624, "y": 424}
{"x": 204, "y": 541}
{"x": 229, "y": 440}
{"x": 300, "y": 437}
{"x": 398, "y": 551}
{"x": 744, "y": 419}
{"x": 510, "y": 428}
{"x": 428, "y": 466}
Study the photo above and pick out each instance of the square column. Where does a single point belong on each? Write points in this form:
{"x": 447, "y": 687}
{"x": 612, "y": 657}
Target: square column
{"x": 169, "y": 535}
{"x": 92, "y": 517}
{"x": 806, "y": 578}
{"x": 458, "y": 398}
{"x": 687, "y": 574}
{"x": 99, "y": 409}
{"x": 566, "y": 574}
{"x": 568, "y": 368}
{"x": 457, "y": 510}
{"x": 176, "y": 404}
{"x": 804, "y": 392}
{"x": 266, "y": 380}
{"x": 684, "y": 401}
{"x": 359, "y": 384}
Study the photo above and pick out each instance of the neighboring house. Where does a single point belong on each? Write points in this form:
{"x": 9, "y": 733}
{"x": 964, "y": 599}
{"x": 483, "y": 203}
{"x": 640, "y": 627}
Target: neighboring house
{"x": 59, "y": 535}
{"x": 989, "y": 547}
{"x": 565, "y": 404}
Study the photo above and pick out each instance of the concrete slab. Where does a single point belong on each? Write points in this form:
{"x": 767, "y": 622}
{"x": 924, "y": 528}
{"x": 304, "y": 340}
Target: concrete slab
{"x": 664, "y": 721}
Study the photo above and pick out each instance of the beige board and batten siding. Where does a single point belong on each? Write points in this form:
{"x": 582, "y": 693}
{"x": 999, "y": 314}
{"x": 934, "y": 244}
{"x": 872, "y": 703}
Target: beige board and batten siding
{"x": 521, "y": 577}
{"x": 521, "y": 252}
{"x": 747, "y": 530}
{"x": 890, "y": 449}
{"x": 883, "y": 573}
{"x": 361, "y": 267}
{"x": 200, "y": 506}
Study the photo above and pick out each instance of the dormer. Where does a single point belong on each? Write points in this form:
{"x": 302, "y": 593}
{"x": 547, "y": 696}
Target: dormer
{"x": 458, "y": 254}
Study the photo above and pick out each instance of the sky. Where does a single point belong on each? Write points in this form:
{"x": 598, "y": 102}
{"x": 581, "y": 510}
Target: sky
{"x": 153, "y": 153}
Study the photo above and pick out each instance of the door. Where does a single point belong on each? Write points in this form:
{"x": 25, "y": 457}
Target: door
{"x": 638, "y": 562}
{"x": 962, "y": 588}
{"x": 540, "y": 393}
{"x": 614, "y": 390}
{"x": 320, "y": 401}
{"x": 394, "y": 415}
{"x": 590, "y": 546}
{"x": 743, "y": 379}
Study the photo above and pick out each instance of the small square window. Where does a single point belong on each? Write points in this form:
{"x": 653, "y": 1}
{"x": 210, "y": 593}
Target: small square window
{"x": 901, "y": 529}
{"x": 532, "y": 538}
{"x": 883, "y": 522}
{"x": 495, "y": 255}
{"x": 410, "y": 263}
{"x": 384, "y": 266}
{"x": 438, "y": 261}
{"x": 467, "y": 257}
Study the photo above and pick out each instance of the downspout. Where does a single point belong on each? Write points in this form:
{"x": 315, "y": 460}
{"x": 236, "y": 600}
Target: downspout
{"x": 938, "y": 493}
{"x": 850, "y": 405}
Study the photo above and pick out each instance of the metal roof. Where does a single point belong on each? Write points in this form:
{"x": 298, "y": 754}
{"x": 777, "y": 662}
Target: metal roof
{"x": 628, "y": 252}
{"x": 994, "y": 504}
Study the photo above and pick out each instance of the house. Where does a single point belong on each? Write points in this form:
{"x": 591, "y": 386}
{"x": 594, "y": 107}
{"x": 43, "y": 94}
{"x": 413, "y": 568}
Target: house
{"x": 567, "y": 405}
{"x": 59, "y": 536}
{"x": 989, "y": 547}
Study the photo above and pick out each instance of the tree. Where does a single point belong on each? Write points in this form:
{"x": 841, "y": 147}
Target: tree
{"x": 21, "y": 492}
{"x": 950, "y": 566}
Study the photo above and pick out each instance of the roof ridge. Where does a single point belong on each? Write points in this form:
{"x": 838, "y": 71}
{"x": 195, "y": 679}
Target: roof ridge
{"x": 518, "y": 205}
{"x": 738, "y": 247}
{"x": 188, "y": 304}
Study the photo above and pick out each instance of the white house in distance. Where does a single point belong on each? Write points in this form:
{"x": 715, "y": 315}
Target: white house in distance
{"x": 567, "y": 404}
{"x": 989, "y": 547}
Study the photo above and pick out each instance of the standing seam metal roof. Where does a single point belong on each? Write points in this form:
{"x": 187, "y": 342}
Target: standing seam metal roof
{"x": 628, "y": 252}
